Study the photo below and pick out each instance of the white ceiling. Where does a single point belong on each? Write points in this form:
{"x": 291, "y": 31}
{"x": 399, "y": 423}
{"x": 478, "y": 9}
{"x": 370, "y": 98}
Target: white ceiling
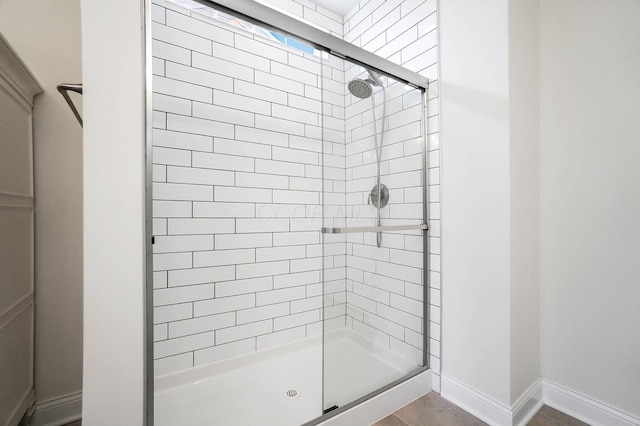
{"x": 341, "y": 7}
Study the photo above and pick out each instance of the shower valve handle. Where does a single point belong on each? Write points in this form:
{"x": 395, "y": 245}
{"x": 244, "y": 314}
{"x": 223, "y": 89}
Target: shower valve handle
{"x": 378, "y": 200}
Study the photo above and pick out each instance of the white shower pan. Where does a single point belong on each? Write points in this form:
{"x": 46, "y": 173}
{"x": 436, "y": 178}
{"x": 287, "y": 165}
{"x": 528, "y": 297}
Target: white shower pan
{"x": 252, "y": 389}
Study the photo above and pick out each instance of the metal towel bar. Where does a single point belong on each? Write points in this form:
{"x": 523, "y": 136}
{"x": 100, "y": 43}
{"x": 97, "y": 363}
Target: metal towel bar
{"x": 390, "y": 228}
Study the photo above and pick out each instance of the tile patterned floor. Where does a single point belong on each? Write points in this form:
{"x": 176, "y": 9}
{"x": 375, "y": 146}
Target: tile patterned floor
{"x": 432, "y": 409}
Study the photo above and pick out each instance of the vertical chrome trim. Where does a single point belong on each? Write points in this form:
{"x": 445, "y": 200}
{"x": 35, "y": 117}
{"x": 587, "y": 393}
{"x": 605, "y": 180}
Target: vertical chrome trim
{"x": 322, "y": 243}
{"x": 425, "y": 232}
{"x": 148, "y": 356}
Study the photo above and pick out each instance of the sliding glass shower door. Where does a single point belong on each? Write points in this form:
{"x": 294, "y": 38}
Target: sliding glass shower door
{"x": 373, "y": 232}
{"x": 288, "y": 209}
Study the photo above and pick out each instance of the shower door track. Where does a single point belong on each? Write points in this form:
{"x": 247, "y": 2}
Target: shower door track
{"x": 360, "y": 229}
{"x": 272, "y": 19}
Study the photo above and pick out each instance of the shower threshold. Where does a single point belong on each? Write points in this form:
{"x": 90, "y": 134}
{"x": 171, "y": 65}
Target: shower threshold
{"x": 251, "y": 389}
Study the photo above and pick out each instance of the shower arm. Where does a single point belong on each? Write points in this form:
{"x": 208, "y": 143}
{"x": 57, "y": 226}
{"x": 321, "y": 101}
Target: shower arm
{"x": 64, "y": 90}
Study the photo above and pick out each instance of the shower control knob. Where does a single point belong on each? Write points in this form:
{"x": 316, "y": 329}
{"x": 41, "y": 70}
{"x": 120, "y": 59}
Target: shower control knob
{"x": 383, "y": 199}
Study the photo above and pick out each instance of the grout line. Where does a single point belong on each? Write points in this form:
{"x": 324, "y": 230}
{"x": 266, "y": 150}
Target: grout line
{"x": 255, "y": 205}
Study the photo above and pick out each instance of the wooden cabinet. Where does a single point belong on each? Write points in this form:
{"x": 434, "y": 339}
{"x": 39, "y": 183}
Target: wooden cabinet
{"x": 17, "y": 90}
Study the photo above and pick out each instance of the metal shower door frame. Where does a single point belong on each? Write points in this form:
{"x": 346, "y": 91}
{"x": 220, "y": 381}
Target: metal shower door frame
{"x": 272, "y": 19}
{"x": 424, "y": 227}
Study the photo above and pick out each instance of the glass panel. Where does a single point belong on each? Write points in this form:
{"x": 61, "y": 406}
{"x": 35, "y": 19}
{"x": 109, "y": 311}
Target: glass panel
{"x": 373, "y": 281}
{"x": 258, "y": 142}
{"x": 237, "y": 186}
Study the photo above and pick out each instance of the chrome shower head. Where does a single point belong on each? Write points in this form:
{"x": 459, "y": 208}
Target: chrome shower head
{"x": 364, "y": 88}
{"x": 360, "y": 88}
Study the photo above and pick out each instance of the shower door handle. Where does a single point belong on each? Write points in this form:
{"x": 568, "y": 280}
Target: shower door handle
{"x": 390, "y": 228}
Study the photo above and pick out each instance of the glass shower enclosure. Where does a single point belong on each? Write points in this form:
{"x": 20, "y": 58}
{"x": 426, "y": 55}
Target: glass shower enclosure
{"x": 288, "y": 210}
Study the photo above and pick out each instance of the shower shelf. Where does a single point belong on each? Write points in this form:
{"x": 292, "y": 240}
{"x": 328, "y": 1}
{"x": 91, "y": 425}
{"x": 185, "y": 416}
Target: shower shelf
{"x": 423, "y": 226}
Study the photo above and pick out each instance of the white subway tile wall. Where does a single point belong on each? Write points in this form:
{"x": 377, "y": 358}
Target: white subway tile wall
{"x": 387, "y": 291}
{"x": 385, "y": 285}
{"x": 237, "y": 142}
{"x": 247, "y": 135}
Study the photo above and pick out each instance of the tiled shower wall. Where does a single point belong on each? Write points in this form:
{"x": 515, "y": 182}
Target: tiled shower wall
{"x": 385, "y": 284}
{"x": 237, "y": 189}
{"x": 405, "y": 32}
{"x": 269, "y": 288}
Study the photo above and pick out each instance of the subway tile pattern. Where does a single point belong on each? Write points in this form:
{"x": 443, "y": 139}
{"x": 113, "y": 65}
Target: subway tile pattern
{"x": 405, "y": 32}
{"x": 253, "y": 145}
{"x": 384, "y": 285}
{"x": 237, "y": 188}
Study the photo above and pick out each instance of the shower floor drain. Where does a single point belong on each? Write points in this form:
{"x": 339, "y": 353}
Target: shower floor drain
{"x": 291, "y": 393}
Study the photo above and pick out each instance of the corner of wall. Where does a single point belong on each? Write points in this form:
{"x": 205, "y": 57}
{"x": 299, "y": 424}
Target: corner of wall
{"x": 58, "y": 411}
{"x": 114, "y": 206}
{"x": 524, "y": 152}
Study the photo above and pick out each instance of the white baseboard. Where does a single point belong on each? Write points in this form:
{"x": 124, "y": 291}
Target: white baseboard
{"x": 58, "y": 411}
{"x": 528, "y": 405}
{"x": 384, "y": 404}
{"x": 488, "y": 409}
{"x": 541, "y": 392}
{"x": 584, "y": 408}
{"x": 435, "y": 382}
